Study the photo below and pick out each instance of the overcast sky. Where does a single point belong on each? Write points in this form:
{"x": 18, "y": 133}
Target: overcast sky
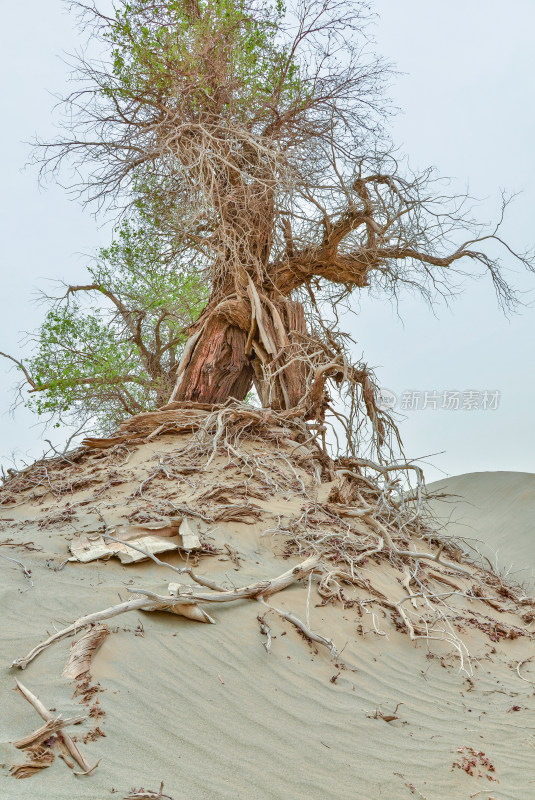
{"x": 466, "y": 95}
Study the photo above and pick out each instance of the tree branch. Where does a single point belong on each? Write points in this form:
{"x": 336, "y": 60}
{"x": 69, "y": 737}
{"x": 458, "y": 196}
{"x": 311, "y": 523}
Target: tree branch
{"x": 112, "y": 380}
{"x": 27, "y": 375}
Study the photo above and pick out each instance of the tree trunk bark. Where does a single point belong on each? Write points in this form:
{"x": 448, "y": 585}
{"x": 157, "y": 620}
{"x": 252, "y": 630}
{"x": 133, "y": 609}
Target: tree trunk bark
{"x": 240, "y": 341}
{"x": 218, "y": 367}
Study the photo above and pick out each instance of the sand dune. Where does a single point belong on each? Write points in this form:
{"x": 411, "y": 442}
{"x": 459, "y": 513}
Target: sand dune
{"x": 496, "y": 511}
{"x": 205, "y": 709}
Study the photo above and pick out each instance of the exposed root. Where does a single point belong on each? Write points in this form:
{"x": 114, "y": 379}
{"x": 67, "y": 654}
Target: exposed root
{"x": 369, "y": 520}
{"x": 302, "y": 628}
{"x": 154, "y": 602}
{"x": 27, "y": 572}
{"x": 520, "y": 664}
{"x": 148, "y": 794}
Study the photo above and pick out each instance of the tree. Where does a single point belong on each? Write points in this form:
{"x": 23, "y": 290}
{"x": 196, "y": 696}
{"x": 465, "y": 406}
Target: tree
{"x": 256, "y": 133}
{"x": 110, "y": 348}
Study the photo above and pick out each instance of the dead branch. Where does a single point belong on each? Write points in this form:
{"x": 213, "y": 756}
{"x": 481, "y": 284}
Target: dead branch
{"x": 43, "y": 733}
{"x": 153, "y": 602}
{"x": 180, "y": 570}
{"x": 264, "y": 588}
{"x": 146, "y": 553}
{"x": 265, "y": 630}
{"x": 304, "y": 629}
{"x": 47, "y": 715}
{"x": 27, "y": 572}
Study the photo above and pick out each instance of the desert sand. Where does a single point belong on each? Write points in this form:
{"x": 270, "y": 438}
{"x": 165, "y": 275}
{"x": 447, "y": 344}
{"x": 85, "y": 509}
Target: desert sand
{"x": 495, "y": 513}
{"x": 208, "y": 711}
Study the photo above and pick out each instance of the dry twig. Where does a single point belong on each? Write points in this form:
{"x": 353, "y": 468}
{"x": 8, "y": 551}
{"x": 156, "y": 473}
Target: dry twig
{"x": 47, "y": 715}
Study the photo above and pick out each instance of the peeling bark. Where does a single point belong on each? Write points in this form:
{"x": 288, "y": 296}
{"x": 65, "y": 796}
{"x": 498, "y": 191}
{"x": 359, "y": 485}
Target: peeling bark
{"x": 218, "y": 367}
{"x": 239, "y": 342}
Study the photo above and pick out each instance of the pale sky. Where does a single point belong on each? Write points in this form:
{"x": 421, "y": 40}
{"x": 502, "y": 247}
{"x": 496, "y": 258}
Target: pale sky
{"x": 467, "y": 95}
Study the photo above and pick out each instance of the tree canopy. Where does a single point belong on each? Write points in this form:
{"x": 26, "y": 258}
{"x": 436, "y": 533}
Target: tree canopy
{"x": 255, "y": 133}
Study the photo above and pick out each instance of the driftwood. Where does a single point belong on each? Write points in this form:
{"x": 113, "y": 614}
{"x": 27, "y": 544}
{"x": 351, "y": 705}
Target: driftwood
{"x": 154, "y": 602}
{"x": 48, "y": 716}
{"x": 37, "y": 747}
{"x": 90, "y": 619}
{"x": 79, "y": 661}
{"x": 263, "y": 588}
{"x": 137, "y": 542}
{"x": 47, "y": 730}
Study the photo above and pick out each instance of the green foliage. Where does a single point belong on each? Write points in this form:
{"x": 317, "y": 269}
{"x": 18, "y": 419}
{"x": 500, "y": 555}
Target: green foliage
{"x": 79, "y": 354}
{"x": 109, "y": 349}
{"x": 214, "y": 55}
{"x": 141, "y": 267}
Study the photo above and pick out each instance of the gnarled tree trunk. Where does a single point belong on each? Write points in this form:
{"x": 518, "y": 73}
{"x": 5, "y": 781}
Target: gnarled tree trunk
{"x": 217, "y": 367}
{"x": 241, "y": 341}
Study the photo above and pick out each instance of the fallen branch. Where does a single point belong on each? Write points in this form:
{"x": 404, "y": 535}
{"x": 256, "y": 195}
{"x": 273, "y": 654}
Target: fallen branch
{"x": 153, "y": 602}
{"x": 265, "y": 630}
{"x": 27, "y": 572}
{"x": 47, "y": 730}
{"x": 83, "y": 622}
{"x": 47, "y": 715}
{"x": 200, "y": 580}
{"x": 306, "y": 631}
{"x": 179, "y": 570}
{"x": 264, "y": 588}
{"x": 142, "y": 550}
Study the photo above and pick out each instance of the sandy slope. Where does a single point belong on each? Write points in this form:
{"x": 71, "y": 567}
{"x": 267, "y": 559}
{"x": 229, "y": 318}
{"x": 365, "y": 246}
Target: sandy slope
{"x": 205, "y": 709}
{"x": 497, "y": 511}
